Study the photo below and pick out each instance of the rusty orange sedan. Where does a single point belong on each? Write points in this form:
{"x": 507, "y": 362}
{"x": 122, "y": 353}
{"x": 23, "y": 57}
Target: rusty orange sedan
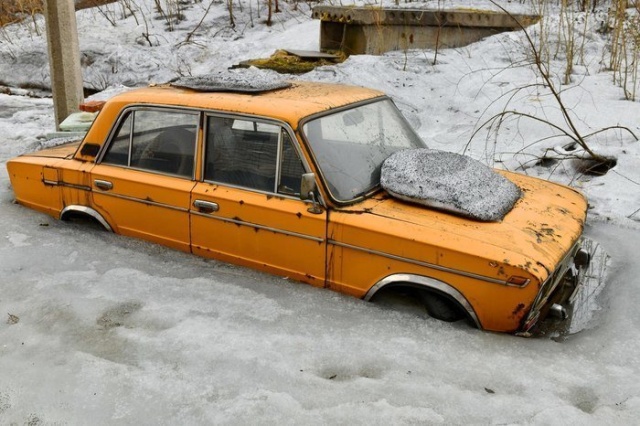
{"x": 286, "y": 178}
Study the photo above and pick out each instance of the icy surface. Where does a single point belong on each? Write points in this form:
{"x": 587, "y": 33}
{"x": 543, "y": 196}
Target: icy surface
{"x": 111, "y": 330}
{"x": 251, "y": 81}
{"x": 450, "y": 182}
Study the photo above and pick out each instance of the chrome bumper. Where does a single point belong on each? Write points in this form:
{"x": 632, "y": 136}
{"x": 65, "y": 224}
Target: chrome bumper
{"x": 570, "y": 294}
{"x": 582, "y": 305}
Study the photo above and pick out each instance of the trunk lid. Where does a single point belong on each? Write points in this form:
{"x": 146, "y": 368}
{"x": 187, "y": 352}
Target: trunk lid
{"x": 65, "y": 150}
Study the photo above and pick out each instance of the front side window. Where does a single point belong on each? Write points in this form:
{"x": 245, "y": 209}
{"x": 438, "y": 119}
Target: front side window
{"x": 351, "y": 145}
{"x": 252, "y": 154}
{"x": 162, "y": 141}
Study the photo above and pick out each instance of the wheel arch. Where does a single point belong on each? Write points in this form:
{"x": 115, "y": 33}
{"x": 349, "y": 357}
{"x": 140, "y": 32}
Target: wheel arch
{"x": 425, "y": 283}
{"x": 85, "y": 211}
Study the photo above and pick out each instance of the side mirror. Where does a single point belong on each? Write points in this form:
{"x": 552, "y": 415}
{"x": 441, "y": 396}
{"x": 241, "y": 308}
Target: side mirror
{"x": 308, "y": 191}
{"x": 308, "y": 186}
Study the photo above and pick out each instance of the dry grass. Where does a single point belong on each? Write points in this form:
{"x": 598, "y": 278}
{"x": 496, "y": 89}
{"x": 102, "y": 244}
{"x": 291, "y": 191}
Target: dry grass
{"x": 283, "y": 62}
{"x": 17, "y": 10}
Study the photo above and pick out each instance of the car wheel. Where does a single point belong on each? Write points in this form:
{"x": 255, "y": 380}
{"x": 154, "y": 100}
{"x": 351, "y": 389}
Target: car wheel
{"x": 441, "y": 308}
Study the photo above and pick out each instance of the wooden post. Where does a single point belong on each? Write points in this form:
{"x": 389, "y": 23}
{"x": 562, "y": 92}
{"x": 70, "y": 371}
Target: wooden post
{"x": 64, "y": 57}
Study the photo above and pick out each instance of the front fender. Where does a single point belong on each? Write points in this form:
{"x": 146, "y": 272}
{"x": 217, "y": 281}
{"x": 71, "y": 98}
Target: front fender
{"x": 419, "y": 281}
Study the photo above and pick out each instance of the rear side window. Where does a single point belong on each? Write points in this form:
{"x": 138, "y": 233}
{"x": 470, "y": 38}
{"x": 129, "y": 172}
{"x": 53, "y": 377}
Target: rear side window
{"x": 162, "y": 141}
{"x": 252, "y": 154}
{"x": 118, "y": 152}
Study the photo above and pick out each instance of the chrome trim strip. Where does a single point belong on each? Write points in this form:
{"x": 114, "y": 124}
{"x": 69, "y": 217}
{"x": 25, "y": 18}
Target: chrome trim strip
{"x": 131, "y": 130}
{"x": 255, "y": 225}
{"x": 88, "y": 211}
{"x": 279, "y": 150}
{"x": 420, "y": 263}
{"x": 426, "y": 282}
{"x": 72, "y": 185}
{"x": 139, "y": 200}
{"x": 67, "y": 185}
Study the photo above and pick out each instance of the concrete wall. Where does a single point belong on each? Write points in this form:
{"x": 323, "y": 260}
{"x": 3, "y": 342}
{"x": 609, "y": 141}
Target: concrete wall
{"x": 375, "y": 30}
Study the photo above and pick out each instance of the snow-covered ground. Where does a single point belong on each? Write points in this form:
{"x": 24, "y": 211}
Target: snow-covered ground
{"x": 100, "y": 329}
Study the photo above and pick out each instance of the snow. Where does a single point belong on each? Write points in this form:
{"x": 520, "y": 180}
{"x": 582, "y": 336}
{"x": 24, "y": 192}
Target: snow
{"x": 449, "y": 181}
{"x": 248, "y": 80}
{"x": 114, "y": 330}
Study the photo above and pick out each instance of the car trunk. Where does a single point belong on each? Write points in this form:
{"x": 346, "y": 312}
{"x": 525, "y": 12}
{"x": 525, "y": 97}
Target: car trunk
{"x": 61, "y": 151}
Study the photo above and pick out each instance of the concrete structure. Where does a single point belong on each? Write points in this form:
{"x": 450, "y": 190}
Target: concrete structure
{"x": 64, "y": 57}
{"x": 371, "y": 30}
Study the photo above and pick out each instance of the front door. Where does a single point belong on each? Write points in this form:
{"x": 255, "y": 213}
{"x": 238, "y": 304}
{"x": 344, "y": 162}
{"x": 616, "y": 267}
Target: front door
{"x": 247, "y": 209}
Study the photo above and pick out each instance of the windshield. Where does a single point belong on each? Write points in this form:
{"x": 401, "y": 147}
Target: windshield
{"x": 351, "y": 145}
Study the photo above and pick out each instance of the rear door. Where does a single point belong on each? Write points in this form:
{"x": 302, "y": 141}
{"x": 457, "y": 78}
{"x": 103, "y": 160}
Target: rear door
{"x": 142, "y": 183}
{"x": 247, "y": 209}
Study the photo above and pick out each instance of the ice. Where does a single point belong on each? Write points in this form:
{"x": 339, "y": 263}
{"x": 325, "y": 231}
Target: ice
{"x": 450, "y": 182}
{"x": 249, "y": 81}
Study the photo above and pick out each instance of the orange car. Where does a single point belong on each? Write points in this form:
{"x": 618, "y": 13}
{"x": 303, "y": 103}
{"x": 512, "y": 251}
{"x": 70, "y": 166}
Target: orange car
{"x": 286, "y": 179}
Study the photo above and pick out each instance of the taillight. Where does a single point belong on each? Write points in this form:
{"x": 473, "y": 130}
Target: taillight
{"x": 91, "y": 106}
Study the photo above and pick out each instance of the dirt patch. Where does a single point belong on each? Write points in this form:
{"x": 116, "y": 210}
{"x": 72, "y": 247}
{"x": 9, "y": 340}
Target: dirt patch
{"x": 118, "y": 316}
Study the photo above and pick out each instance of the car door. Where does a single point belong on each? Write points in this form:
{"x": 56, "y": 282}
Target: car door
{"x": 143, "y": 180}
{"x": 247, "y": 208}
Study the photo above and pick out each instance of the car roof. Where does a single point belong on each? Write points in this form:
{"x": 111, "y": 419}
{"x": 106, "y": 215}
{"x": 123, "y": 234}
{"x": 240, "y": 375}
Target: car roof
{"x": 290, "y": 104}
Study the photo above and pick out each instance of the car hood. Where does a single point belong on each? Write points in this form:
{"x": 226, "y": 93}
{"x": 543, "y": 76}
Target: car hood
{"x": 535, "y": 235}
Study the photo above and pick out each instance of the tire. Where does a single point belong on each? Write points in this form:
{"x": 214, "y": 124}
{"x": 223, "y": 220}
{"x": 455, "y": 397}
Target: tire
{"x": 440, "y": 307}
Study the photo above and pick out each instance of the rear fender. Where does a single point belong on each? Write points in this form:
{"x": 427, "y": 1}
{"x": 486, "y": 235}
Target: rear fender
{"x": 88, "y": 211}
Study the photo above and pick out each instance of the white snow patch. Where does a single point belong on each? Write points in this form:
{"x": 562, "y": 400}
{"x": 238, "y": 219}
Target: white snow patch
{"x": 18, "y": 240}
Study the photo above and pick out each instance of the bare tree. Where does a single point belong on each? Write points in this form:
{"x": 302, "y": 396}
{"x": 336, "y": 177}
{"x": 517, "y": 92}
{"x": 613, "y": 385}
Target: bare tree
{"x": 568, "y": 128}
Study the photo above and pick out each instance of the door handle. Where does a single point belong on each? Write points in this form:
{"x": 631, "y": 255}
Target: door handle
{"x": 105, "y": 185}
{"x": 206, "y": 206}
